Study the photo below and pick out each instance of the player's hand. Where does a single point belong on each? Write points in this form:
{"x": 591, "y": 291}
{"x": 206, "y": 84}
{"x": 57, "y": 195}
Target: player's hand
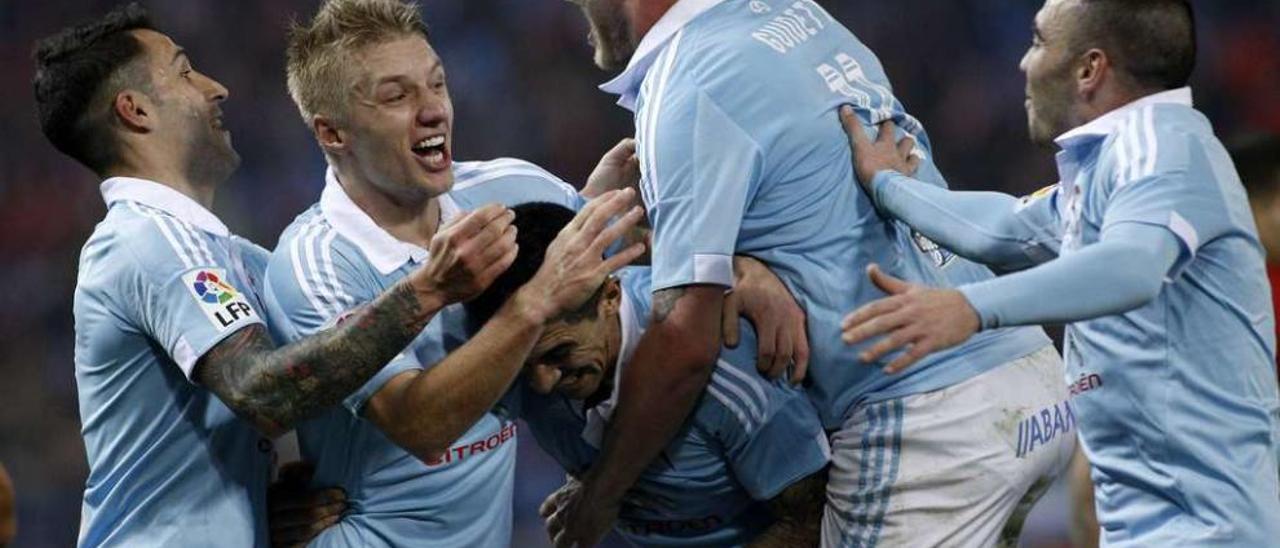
{"x": 919, "y": 319}
{"x": 575, "y": 266}
{"x": 467, "y": 255}
{"x": 760, "y": 297}
{"x": 618, "y": 169}
{"x": 295, "y": 512}
{"x": 871, "y": 157}
{"x": 573, "y": 519}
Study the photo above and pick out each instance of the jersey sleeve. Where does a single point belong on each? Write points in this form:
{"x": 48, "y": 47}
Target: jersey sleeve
{"x": 770, "y": 432}
{"x": 1168, "y": 195}
{"x": 699, "y": 169}
{"x": 190, "y": 298}
{"x": 313, "y": 286}
{"x": 988, "y": 227}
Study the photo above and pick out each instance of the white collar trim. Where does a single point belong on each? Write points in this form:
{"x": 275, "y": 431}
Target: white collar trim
{"x": 1104, "y": 125}
{"x": 384, "y": 251}
{"x": 627, "y": 84}
{"x": 163, "y": 197}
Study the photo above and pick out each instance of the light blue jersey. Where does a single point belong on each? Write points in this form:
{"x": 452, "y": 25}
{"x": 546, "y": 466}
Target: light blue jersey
{"x": 746, "y": 441}
{"x": 1177, "y": 400}
{"x": 162, "y": 281}
{"x": 334, "y": 258}
{"x": 741, "y": 152}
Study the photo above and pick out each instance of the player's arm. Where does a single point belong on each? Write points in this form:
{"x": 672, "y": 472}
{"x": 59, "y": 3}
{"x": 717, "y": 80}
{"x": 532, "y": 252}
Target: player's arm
{"x": 426, "y": 411}
{"x": 988, "y": 227}
{"x": 708, "y": 168}
{"x": 1125, "y": 270}
{"x": 275, "y": 387}
{"x": 797, "y": 514}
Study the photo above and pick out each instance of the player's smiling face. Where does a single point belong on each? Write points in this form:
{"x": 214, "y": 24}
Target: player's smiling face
{"x": 573, "y": 357}
{"x": 187, "y": 112}
{"x": 1049, "y": 65}
{"x": 610, "y": 33}
{"x": 400, "y": 121}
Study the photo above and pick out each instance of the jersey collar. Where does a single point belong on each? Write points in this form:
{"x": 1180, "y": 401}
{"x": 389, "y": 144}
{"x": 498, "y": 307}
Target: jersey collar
{"x": 627, "y": 84}
{"x": 163, "y": 197}
{"x": 384, "y": 251}
{"x": 1104, "y": 125}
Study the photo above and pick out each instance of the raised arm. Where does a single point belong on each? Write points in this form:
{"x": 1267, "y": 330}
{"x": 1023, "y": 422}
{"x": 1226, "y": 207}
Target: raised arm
{"x": 274, "y": 388}
{"x": 426, "y": 411}
{"x": 988, "y": 227}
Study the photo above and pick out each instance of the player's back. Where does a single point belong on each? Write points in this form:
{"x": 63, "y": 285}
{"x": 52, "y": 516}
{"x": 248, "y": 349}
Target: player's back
{"x": 1177, "y": 399}
{"x": 776, "y": 72}
{"x": 169, "y": 463}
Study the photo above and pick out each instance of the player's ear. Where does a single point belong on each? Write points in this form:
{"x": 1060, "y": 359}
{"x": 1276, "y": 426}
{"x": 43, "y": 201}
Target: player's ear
{"x": 610, "y": 296}
{"x": 134, "y": 110}
{"x": 1093, "y": 68}
{"x": 331, "y": 138}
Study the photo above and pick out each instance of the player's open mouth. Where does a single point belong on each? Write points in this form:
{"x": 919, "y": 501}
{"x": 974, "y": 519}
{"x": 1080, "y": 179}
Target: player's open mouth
{"x": 432, "y": 152}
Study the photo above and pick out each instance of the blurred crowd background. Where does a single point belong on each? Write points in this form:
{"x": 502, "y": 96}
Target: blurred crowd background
{"x": 523, "y": 86}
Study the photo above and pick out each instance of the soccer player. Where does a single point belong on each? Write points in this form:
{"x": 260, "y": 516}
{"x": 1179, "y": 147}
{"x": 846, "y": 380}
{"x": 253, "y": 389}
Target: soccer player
{"x": 417, "y": 450}
{"x": 739, "y": 155}
{"x": 178, "y": 380}
{"x": 1146, "y": 249}
{"x": 746, "y": 468}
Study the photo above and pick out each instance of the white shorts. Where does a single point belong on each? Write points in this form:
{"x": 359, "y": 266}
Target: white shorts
{"x": 960, "y": 466}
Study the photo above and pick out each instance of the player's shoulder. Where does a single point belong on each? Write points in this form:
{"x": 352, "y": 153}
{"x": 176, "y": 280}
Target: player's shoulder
{"x": 155, "y": 243}
{"x": 1157, "y": 140}
{"x": 508, "y": 181}
{"x": 312, "y": 256}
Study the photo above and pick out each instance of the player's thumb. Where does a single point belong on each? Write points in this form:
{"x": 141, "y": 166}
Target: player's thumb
{"x": 885, "y": 282}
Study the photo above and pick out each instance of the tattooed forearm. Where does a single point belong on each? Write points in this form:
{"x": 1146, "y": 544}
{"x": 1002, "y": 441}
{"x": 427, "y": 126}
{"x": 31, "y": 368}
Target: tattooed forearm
{"x": 664, "y": 301}
{"x": 275, "y": 388}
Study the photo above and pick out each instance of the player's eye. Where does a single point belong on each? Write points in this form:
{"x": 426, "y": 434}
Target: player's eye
{"x": 559, "y": 353}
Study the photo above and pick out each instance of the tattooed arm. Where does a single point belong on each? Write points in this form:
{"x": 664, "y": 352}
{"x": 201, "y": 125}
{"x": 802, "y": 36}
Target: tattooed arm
{"x": 659, "y": 388}
{"x": 797, "y": 513}
{"x": 275, "y": 388}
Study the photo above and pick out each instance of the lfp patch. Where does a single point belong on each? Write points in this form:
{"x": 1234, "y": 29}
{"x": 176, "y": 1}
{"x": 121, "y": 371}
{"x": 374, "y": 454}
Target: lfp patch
{"x": 218, "y": 299}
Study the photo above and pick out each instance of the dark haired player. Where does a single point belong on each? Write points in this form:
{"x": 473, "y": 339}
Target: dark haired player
{"x": 178, "y": 380}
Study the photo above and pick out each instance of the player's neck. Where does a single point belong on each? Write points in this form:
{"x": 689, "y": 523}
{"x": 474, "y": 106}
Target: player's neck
{"x": 409, "y": 219}
{"x": 1107, "y": 99}
{"x": 201, "y": 192}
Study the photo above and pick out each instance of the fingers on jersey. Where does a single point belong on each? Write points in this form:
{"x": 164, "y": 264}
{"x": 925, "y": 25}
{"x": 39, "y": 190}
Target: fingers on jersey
{"x": 918, "y": 319}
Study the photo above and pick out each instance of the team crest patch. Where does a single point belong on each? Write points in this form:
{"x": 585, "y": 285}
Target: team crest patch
{"x": 218, "y": 299}
{"x": 941, "y": 256}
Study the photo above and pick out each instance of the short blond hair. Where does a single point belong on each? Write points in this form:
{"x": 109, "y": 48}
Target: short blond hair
{"x": 320, "y": 53}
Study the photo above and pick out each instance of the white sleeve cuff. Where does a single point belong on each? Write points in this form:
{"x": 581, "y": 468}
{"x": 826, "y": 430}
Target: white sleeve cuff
{"x": 713, "y": 269}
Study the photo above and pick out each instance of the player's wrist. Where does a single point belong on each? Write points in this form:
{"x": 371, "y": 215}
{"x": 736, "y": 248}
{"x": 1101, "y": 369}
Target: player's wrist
{"x": 531, "y": 307}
